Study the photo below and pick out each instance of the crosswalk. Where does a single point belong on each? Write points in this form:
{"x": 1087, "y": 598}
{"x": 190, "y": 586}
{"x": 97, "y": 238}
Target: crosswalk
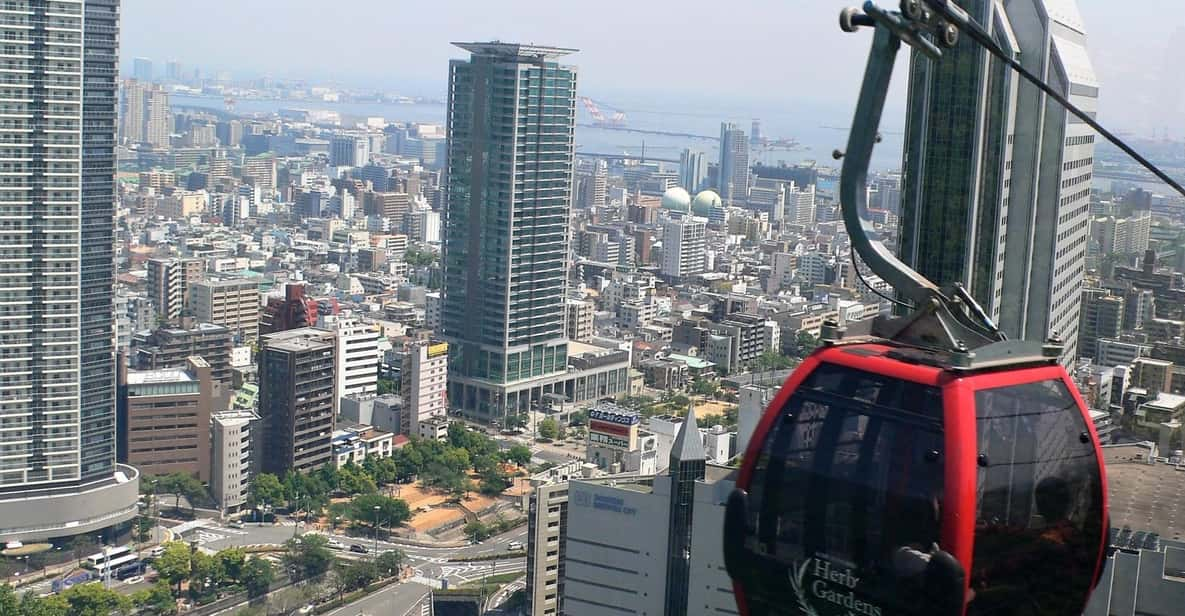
{"x": 204, "y": 536}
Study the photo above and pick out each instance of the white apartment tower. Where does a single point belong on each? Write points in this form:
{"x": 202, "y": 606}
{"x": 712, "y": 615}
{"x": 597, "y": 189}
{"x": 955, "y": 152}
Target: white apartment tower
{"x": 425, "y": 384}
{"x": 683, "y": 247}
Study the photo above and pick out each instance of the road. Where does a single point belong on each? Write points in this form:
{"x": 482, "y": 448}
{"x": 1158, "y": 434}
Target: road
{"x": 432, "y": 564}
{"x": 395, "y": 600}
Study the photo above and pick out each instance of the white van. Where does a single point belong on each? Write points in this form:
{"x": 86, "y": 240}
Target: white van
{"x": 514, "y": 546}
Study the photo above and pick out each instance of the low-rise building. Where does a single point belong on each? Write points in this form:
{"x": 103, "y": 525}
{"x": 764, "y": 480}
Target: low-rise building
{"x": 354, "y": 444}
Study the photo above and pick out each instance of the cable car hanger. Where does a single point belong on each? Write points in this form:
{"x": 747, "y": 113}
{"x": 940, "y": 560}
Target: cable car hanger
{"x": 945, "y": 320}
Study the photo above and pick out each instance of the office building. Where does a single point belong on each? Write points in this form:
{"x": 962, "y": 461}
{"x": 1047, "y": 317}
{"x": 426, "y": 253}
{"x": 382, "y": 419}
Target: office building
{"x": 507, "y": 329}
{"x": 955, "y": 190}
{"x": 615, "y": 562}
{"x": 1102, "y": 317}
{"x": 57, "y": 292}
{"x": 233, "y": 454}
{"x": 1008, "y": 207}
{"x": 616, "y": 442}
{"x": 146, "y": 116}
{"x": 594, "y": 187}
{"x": 547, "y": 522}
{"x": 425, "y": 384}
{"x": 260, "y": 171}
{"x": 296, "y": 388}
{"x": 349, "y": 151}
{"x": 356, "y": 357}
{"x": 693, "y": 170}
{"x": 169, "y": 347}
{"x": 684, "y": 251}
{"x": 232, "y": 302}
{"x": 733, "y": 184}
{"x": 800, "y": 205}
{"x": 168, "y": 284}
{"x": 142, "y": 69}
{"x": 580, "y": 319}
{"x": 292, "y": 311}
{"x": 164, "y": 419}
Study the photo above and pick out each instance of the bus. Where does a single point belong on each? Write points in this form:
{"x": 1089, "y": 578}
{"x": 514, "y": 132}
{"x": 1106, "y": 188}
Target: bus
{"x": 111, "y": 558}
{"x": 129, "y": 570}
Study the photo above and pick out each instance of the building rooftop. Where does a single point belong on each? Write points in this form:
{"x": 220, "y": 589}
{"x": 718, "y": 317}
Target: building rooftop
{"x": 1144, "y": 496}
{"x": 528, "y": 52}
{"x": 165, "y": 375}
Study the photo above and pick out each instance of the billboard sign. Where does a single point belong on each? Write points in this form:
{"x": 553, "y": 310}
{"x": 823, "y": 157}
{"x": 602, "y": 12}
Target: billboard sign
{"x": 622, "y": 418}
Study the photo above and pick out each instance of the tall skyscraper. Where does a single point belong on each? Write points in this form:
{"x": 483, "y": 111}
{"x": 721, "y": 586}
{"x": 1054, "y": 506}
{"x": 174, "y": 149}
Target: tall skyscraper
{"x": 58, "y": 474}
{"x": 996, "y": 190}
{"x": 956, "y": 189}
{"x": 511, "y": 119}
{"x": 693, "y": 170}
{"x": 734, "y": 164}
{"x": 142, "y": 69}
{"x": 145, "y": 114}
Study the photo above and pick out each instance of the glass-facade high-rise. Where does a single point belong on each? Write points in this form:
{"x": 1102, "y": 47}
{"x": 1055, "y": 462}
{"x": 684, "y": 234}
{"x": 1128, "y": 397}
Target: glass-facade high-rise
{"x": 957, "y": 151}
{"x": 511, "y": 122}
{"x": 58, "y": 474}
{"x": 996, "y": 186}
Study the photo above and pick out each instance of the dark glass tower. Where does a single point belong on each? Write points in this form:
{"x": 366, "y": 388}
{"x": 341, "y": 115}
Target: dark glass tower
{"x": 511, "y": 122}
{"x": 688, "y": 462}
{"x": 957, "y": 152}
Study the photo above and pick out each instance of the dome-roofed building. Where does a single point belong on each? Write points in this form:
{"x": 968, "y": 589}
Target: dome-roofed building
{"x": 704, "y": 202}
{"x": 677, "y": 199}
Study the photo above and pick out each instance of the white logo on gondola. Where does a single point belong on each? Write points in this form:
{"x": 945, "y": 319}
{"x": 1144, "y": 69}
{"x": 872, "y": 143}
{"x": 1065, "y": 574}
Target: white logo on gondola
{"x": 817, "y": 578}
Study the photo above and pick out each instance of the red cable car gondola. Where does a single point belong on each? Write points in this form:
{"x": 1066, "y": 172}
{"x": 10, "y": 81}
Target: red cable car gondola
{"x": 934, "y": 468}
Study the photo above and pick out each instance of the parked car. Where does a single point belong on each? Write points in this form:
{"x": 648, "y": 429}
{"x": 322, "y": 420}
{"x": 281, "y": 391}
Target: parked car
{"x": 358, "y": 548}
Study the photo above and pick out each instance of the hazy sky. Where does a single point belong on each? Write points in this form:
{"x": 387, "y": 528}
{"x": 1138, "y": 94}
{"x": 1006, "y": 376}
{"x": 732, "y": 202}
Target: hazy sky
{"x": 737, "y": 52}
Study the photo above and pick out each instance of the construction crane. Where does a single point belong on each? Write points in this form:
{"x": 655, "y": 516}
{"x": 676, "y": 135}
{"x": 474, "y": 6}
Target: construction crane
{"x": 617, "y": 119}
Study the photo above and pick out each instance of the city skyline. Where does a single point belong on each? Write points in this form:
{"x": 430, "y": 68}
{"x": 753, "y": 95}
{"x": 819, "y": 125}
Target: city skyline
{"x": 151, "y": 29}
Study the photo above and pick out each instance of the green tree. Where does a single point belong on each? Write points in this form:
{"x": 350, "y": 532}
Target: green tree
{"x": 265, "y": 489}
{"x": 577, "y": 418}
{"x": 353, "y": 480}
{"x": 205, "y": 574}
{"x": 181, "y": 484}
{"x": 773, "y": 360}
{"x": 518, "y": 454}
{"x": 144, "y": 526}
{"x": 477, "y": 531}
{"x": 8, "y": 600}
{"x": 95, "y": 600}
{"x": 386, "y": 386}
{"x": 549, "y": 429}
{"x": 392, "y": 511}
{"x": 54, "y": 605}
{"x": 704, "y": 387}
{"x": 257, "y": 576}
{"x": 173, "y": 564}
{"x": 494, "y": 480}
{"x": 804, "y": 344}
{"x": 309, "y": 555}
{"x": 355, "y": 575}
{"x": 156, "y": 600}
{"x": 231, "y": 561}
{"x": 389, "y": 562}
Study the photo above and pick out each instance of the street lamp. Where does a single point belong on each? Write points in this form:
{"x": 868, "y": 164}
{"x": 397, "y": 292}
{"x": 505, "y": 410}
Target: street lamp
{"x": 376, "y": 530}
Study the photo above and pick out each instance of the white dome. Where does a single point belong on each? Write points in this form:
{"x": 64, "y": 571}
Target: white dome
{"x": 704, "y": 202}
{"x": 677, "y": 199}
